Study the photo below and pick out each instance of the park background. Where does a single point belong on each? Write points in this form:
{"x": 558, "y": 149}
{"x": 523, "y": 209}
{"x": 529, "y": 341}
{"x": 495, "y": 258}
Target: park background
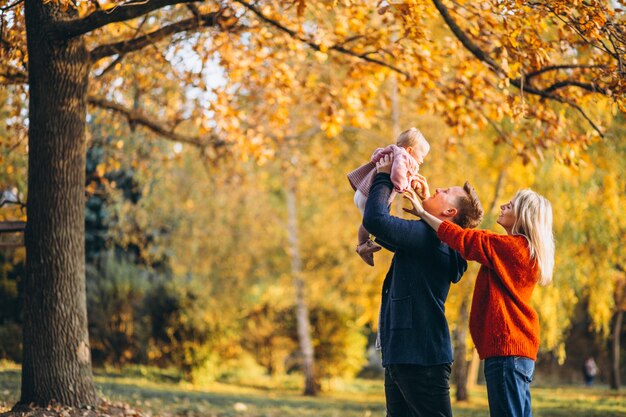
{"x": 219, "y": 228}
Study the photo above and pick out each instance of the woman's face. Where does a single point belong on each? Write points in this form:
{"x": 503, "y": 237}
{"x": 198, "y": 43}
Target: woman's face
{"x": 507, "y": 217}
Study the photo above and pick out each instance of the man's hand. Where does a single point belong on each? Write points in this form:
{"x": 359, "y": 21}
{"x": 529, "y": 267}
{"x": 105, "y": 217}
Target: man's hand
{"x": 416, "y": 209}
{"x": 420, "y": 185}
{"x": 384, "y": 164}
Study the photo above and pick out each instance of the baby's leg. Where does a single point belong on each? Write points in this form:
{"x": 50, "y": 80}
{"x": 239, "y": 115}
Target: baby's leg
{"x": 366, "y": 247}
{"x": 363, "y": 235}
{"x": 359, "y": 200}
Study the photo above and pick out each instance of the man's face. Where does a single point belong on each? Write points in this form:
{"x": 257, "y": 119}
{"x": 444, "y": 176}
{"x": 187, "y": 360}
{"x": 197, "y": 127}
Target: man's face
{"x": 443, "y": 202}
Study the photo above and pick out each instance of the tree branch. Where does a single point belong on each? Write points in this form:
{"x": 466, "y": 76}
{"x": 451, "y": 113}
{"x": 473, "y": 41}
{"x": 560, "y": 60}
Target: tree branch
{"x": 572, "y": 26}
{"x": 584, "y": 115}
{"x": 123, "y": 47}
{"x": 12, "y": 197}
{"x": 12, "y": 75}
{"x": 499, "y": 186}
{"x": 518, "y": 83}
{"x": 99, "y": 18}
{"x": 503, "y": 136}
{"x": 317, "y": 47}
{"x": 559, "y": 67}
{"x": 618, "y": 51}
{"x": 585, "y": 86}
{"x": 464, "y": 39}
{"x": 111, "y": 65}
{"x": 121, "y": 56}
{"x": 137, "y": 117}
{"x": 194, "y": 10}
{"x": 10, "y": 6}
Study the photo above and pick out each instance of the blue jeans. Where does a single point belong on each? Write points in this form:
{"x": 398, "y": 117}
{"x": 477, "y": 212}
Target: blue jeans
{"x": 508, "y": 385}
{"x": 418, "y": 391}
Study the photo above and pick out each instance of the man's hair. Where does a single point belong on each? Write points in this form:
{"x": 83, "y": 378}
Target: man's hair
{"x": 470, "y": 211}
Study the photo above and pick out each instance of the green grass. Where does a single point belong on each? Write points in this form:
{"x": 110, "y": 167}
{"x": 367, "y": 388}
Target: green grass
{"x": 161, "y": 394}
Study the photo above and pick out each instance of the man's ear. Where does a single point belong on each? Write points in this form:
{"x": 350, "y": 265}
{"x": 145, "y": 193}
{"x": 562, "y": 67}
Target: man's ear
{"x": 450, "y": 212}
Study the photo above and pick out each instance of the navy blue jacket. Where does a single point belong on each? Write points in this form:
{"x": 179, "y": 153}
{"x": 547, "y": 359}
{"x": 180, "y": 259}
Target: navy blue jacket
{"x": 413, "y": 326}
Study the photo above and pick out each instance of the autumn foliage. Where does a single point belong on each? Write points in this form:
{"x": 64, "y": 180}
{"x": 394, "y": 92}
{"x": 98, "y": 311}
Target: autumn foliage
{"x": 210, "y": 108}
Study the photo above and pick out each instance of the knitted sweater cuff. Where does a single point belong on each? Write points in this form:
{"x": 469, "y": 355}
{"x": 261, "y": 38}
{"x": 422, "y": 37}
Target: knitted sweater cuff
{"x": 445, "y": 230}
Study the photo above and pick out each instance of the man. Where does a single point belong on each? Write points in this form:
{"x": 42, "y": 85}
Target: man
{"x": 415, "y": 340}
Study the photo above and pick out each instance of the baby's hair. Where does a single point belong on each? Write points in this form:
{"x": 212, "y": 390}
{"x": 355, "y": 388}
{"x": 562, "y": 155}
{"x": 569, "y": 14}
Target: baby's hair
{"x": 412, "y": 137}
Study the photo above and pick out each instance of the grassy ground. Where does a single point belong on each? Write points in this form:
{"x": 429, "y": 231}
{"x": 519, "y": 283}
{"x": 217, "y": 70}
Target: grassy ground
{"x": 159, "y": 394}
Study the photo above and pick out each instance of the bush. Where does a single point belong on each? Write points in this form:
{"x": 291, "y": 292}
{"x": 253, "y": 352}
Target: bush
{"x": 187, "y": 333}
{"x": 11, "y": 342}
{"x": 116, "y": 291}
{"x": 338, "y": 342}
{"x": 265, "y": 336}
{"x": 138, "y": 318}
{"x": 11, "y": 272}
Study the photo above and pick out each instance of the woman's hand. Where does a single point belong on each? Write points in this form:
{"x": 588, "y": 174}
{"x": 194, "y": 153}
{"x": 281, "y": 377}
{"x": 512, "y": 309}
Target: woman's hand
{"x": 416, "y": 209}
{"x": 384, "y": 164}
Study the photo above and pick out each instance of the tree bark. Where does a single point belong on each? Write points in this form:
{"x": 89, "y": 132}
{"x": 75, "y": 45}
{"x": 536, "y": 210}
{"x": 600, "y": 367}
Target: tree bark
{"x": 57, "y": 361}
{"x": 615, "y": 350}
{"x": 395, "y": 108}
{"x": 302, "y": 310}
{"x": 472, "y": 373}
{"x": 460, "y": 363}
{"x": 467, "y": 371}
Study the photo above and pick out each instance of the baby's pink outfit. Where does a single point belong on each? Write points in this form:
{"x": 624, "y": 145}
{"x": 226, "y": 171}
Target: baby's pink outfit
{"x": 404, "y": 169}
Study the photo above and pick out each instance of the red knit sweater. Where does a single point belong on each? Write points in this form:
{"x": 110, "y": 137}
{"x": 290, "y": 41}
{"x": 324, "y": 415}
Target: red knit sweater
{"x": 502, "y": 321}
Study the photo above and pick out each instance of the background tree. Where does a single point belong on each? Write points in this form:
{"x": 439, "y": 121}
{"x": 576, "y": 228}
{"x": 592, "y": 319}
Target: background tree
{"x": 593, "y": 264}
{"x": 499, "y": 70}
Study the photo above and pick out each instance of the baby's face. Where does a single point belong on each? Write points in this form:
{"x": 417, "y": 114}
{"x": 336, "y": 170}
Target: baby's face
{"x": 418, "y": 152}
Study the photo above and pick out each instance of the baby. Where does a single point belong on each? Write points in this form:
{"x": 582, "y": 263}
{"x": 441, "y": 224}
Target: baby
{"x": 408, "y": 154}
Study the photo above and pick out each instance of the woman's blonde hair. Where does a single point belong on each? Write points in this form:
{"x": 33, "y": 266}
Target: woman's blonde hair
{"x": 534, "y": 220}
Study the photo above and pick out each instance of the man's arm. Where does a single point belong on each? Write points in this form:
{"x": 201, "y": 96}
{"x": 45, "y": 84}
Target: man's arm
{"x": 394, "y": 231}
{"x": 385, "y": 245}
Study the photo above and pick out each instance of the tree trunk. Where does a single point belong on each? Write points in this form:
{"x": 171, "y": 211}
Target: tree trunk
{"x": 467, "y": 371}
{"x": 56, "y": 358}
{"x": 615, "y": 350}
{"x": 472, "y": 373}
{"x": 302, "y": 310}
{"x": 460, "y": 363}
{"x": 395, "y": 108}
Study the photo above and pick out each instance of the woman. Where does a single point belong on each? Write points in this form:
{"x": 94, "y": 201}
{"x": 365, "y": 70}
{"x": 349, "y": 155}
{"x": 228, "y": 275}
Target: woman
{"x": 503, "y": 325}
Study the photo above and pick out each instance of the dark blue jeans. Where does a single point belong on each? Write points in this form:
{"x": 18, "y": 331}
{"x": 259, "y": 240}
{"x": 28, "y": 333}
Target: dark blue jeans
{"x": 418, "y": 391}
{"x": 508, "y": 385}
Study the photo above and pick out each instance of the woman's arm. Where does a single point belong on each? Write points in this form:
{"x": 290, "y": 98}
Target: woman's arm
{"x": 473, "y": 245}
{"x": 418, "y": 210}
